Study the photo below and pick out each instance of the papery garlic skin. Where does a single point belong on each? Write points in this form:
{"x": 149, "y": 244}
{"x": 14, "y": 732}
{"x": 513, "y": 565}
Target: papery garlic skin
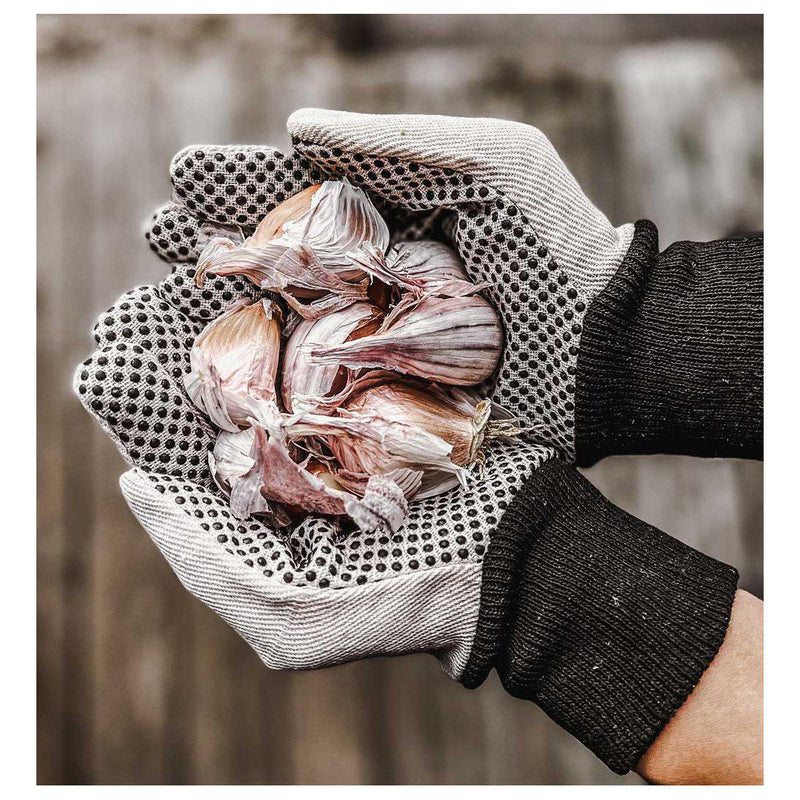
{"x": 373, "y": 445}
{"x": 235, "y": 469}
{"x": 285, "y": 481}
{"x": 234, "y": 363}
{"x": 272, "y": 225}
{"x": 333, "y": 218}
{"x": 453, "y": 340}
{"x": 383, "y": 508}
{"x": 340, "y": 218}
{"x": 421, "y": 267}
{"x": 409, "y": 481}
{"x": 402, "y": 402}
{"x": 257, "y": 470}
{"x": 301, "y": 377}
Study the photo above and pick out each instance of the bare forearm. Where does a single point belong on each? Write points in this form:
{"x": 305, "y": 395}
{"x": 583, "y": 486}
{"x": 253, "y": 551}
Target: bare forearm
{"x": 716, "y": 737}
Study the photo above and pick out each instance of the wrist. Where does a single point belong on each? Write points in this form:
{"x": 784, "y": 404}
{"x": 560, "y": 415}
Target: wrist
{"x": 700, "y": 745}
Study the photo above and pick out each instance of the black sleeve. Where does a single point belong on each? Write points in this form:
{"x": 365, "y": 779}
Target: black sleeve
{"x": 671, "y": 358}
{"x": 605, "y": 622}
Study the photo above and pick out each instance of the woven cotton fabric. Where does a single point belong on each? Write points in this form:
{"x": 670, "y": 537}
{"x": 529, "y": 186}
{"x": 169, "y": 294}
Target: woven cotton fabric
{"x": 430, "y": 610}
{"x": 510, "y": 158}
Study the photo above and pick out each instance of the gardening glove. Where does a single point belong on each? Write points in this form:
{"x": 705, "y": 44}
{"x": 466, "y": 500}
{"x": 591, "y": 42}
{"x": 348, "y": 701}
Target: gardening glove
{"x": 612, "y": 346}
{"x": 605, "y": 622}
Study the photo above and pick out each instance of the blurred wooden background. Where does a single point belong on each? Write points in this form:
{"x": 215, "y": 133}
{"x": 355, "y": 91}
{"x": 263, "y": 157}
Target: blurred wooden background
{"x": 658, "y": 117}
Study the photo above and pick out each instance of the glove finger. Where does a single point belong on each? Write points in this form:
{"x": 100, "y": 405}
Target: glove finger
{"x": 413, "y": 161}
{"x": 176, "y": 235}
{"x": 205, "y": 303}
{"x": 401, "y": 184}
{"x": 133, "y": 385}
{"x": 237, "y": 185}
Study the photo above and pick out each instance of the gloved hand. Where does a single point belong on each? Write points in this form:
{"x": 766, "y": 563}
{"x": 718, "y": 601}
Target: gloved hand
{"x": 415, "y": 591}
{"x": 613, "y": 347}
{"x": 605, "y": 622}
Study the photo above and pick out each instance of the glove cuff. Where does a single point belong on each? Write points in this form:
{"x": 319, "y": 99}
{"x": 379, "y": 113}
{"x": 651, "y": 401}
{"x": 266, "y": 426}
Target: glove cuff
{"x": 671, "y": 357}
{"x": 605, "y": 622}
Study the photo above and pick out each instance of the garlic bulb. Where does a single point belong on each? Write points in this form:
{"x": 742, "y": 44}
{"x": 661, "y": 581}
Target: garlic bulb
{"x": 234, "y": 363}
{"x": 303, "y": 378}
{"x": 402, "y": 402}
{"x": 453, "y": 340}
{"x": 328, "y": 220}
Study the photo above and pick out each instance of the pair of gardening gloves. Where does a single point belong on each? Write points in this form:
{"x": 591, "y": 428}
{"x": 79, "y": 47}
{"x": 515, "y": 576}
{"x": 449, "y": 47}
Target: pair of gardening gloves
{"x": 605, "y": 622}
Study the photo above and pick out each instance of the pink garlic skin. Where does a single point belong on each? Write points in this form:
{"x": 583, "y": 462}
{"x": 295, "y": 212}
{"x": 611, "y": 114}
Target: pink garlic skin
{"x": 285, "y": 481}
{"x": 329, "y": 219}
{"x": 452, "y": 340}
{"x": 234, "y": 363}
{"x": 399, "y": 402}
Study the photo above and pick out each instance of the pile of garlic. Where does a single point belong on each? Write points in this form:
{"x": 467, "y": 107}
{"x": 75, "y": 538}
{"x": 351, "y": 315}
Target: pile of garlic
{"x": 343, "y": 390}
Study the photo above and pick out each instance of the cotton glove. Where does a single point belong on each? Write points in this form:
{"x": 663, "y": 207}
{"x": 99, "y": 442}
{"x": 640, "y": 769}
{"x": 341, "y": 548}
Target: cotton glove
{"x": 605, "y": 622}
{"x": 614, "y": 347}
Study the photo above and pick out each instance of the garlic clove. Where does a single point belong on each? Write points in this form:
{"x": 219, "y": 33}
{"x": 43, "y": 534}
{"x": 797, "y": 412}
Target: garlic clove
{"x": 374, "y": 445}
{"x": 289, "y": 210}
{"x": 301, "y": 377}
{"x": 453, "y": 340}
{"x": 340, "y": 218}
{"x": 234, "y": 363}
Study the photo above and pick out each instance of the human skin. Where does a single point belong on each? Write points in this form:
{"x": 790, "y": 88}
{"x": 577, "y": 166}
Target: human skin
{"x": 716, "y": 737}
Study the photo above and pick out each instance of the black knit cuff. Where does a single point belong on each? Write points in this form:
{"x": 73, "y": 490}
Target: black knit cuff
{"x": 605, "y": 622}
{"x": 671, "y": 356}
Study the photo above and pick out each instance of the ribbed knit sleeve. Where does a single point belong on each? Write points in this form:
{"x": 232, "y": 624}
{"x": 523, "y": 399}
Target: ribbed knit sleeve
{"x": 605, "y": 622}
{"x": 671, "y": 358}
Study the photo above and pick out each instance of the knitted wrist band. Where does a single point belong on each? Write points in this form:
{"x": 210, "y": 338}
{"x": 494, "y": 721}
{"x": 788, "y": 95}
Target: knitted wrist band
{"x": 605, "y": 622}
{"x": 671, "y": 358}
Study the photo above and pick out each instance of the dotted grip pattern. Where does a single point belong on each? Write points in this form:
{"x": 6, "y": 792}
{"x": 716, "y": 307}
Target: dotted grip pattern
{"x": 133, "y": 384}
